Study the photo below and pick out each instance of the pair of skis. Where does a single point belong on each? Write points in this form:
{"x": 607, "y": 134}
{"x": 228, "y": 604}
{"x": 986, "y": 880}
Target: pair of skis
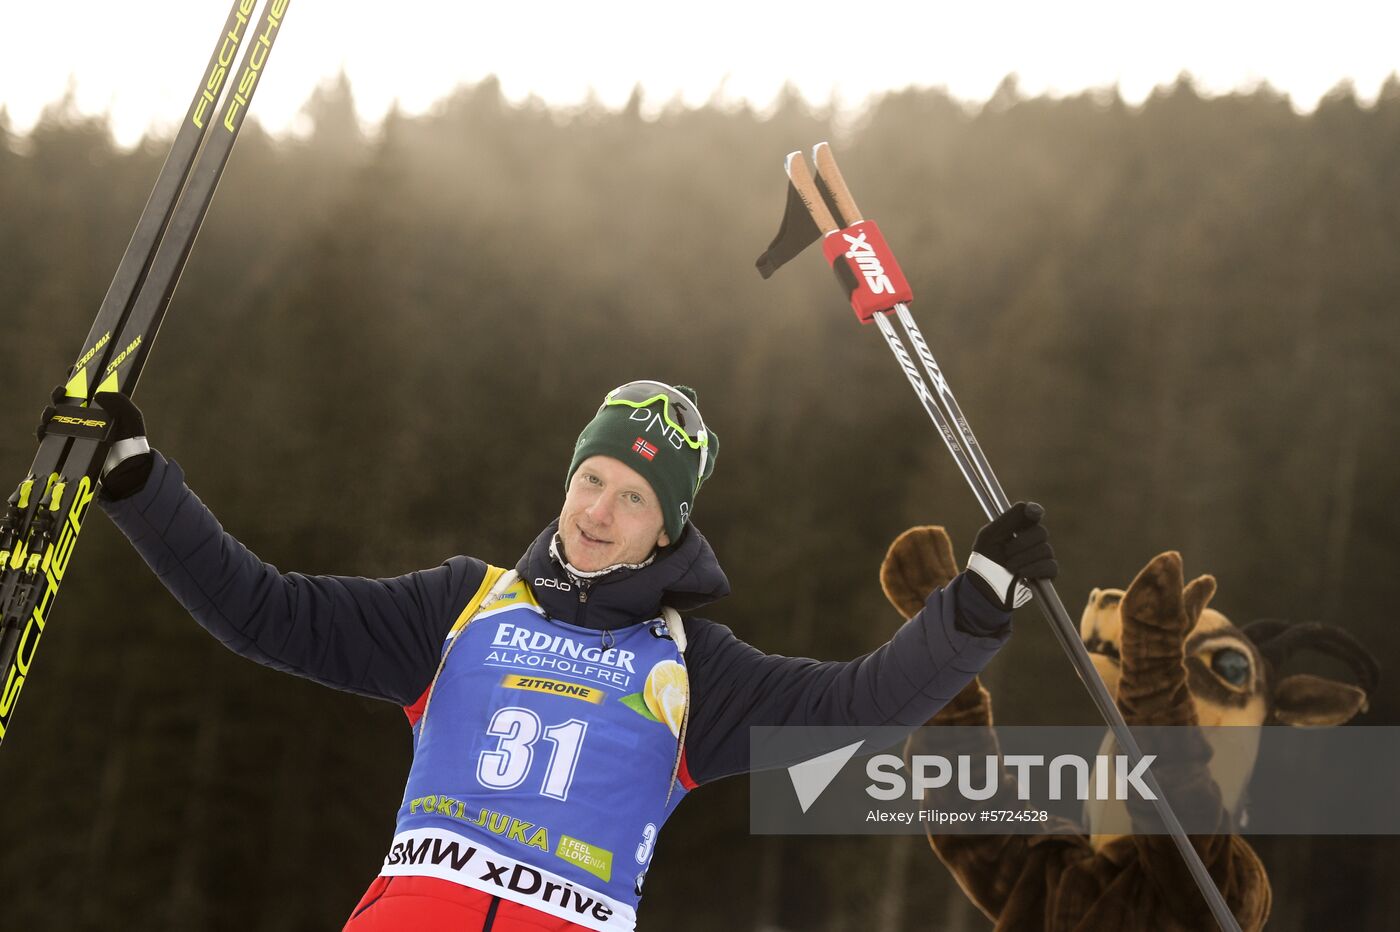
{"x": 40, "y": 523}
{"x": 821, "y": 206}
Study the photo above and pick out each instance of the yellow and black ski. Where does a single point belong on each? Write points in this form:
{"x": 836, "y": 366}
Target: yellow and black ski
{"x": 42, "y": 519}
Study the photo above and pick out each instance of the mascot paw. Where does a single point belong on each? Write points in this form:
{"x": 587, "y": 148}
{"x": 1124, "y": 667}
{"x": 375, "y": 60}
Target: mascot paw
{"x": 1158, "y": 599}
{"x": 919, "y": 561}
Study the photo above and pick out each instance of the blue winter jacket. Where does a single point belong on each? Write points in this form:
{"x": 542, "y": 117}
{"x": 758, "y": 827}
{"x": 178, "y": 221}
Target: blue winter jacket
{"x": 382, "y": 637}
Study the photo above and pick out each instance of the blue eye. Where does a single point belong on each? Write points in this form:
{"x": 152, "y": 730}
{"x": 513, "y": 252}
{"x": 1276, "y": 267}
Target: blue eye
{"x": 1231, "y": 666}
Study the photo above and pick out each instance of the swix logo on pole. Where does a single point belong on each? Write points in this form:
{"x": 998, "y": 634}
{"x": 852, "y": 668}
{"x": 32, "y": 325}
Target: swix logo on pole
{"x": 940, "y": 384}
{"x": 869, "y": 264}
{"x": 867, "y": 268}
{"x": 910, "y": 372}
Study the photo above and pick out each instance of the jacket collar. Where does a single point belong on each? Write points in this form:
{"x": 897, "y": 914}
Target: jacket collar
{"x": 684, "y": 576}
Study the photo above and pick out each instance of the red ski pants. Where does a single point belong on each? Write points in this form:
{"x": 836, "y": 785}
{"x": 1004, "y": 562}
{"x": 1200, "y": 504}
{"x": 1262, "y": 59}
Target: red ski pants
{"x": 426, "y": 904}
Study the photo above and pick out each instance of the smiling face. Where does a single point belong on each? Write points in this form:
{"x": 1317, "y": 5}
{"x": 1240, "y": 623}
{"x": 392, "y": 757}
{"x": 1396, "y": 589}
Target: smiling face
{"x": 610, "y": 516}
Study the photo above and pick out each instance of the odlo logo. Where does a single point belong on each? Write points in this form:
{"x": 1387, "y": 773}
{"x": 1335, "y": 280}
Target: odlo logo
{"x": 863, "y": 254}
{"x": 553, "y": 584}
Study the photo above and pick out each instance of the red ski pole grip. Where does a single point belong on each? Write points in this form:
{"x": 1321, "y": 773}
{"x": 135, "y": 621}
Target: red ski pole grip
{"x": 867, "y": 269}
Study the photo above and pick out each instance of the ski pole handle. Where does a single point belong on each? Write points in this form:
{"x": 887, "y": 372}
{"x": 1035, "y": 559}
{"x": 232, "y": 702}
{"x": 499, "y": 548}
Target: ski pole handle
{"x": 801, "y": 177}
{"x": 858, "y": 254}
{"x": 835, "y": 183}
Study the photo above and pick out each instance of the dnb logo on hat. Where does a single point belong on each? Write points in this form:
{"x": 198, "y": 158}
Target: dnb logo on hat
{"x": 646, "y": 450}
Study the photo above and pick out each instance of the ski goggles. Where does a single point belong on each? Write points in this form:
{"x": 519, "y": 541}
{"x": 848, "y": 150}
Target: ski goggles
{"x": 678, "y": 411}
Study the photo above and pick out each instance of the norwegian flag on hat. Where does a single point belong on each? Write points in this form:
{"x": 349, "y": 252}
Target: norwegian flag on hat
{"x": 645, "y": 449}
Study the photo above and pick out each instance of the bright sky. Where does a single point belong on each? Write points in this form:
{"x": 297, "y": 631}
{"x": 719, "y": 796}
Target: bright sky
{"x": 140, "y": 62}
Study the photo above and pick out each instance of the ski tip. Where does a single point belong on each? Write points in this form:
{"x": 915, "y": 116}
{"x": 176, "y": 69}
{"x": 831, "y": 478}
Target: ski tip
{"x": 795, "y": 155}
{"x": 818, "y": 149}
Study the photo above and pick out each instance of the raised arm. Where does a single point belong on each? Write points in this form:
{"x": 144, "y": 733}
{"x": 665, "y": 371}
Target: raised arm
{"x": 735, "y": 686}
{"x": 904, "y": 682}
{"x": 374, "y": 637}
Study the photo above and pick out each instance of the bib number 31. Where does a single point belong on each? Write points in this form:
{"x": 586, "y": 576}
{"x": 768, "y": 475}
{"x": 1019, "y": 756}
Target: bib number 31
{"x": 517, "y": 731}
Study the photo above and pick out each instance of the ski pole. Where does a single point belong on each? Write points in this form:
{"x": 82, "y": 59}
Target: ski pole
{"x": 952, "y": 424}
{"x": 877, "y": 287}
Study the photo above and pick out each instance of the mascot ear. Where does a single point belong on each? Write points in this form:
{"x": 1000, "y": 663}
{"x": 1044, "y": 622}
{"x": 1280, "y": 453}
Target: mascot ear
{"x": 1312, "y": 701}
{"x": 1197, "y": 596}
{"x": 919, "y": 561}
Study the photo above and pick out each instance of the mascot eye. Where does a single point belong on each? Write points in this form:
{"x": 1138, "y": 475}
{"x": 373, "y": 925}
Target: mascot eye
{"x": 1231, "y": 665}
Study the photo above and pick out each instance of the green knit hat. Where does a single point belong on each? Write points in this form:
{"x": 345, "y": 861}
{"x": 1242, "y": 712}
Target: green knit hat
{"x": 641, "y": 438}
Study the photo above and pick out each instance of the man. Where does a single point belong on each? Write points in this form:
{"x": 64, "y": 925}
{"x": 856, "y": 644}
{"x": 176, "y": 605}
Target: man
{"x": 562, "y": 711}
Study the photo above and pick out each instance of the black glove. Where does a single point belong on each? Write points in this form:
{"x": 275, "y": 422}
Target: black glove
{"x": 129, "y": 458}
{"x": 58, "y": 396}
{"x": 1013, "y": 547}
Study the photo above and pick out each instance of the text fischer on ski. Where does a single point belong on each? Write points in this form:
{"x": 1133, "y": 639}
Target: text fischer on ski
{"x": 560, "y": 710}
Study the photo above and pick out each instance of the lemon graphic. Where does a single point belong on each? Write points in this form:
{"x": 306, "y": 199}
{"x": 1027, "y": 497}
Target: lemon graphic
{"x": 665, "y": 693}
